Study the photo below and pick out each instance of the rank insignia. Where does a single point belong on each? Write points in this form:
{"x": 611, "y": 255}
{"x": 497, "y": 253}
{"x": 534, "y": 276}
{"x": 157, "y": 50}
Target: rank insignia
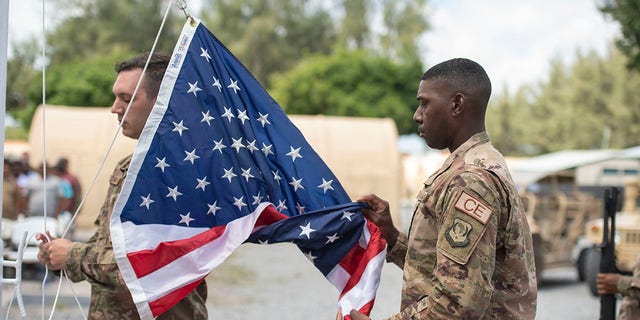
{"x": 458, "y": 234}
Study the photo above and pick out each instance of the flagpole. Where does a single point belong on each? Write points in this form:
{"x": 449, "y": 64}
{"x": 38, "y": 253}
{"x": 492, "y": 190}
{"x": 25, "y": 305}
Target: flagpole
{"x": 4, "y": 34}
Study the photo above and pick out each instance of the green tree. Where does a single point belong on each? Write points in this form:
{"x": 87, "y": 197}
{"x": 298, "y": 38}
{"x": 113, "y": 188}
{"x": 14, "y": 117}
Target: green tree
{"x": 506, "y": 134}
{"x": 270, "y": 36}
{"x": 91, "y": 28}
{"x": 351, "y": 83}
{"x": 404, "y": 22}
{"x": 20, "y": 73}
{"x": 590, "y": 104}
{"x": 355, "y": 32}
{"x": 85, "y": 83}
{"x": 627, "y": 13}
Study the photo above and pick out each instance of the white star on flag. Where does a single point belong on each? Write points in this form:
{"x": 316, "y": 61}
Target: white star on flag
{"x": 263, "y": 119}
{"x": 191, "y": 156}
{"x": 347, "y": 215}
{"x": 219, "y": 146}
{"x": 299, "y": 208}
{"x": 326, "y": 185}
{"x": 331, "y": 239}
{"x": 179, "y": 127}
{"x": 276, "y": 176}
{"x": 228, "y": 114}
{"x": 186, "y": 218}
{"x": 174, "y": 193}
{"x": 216, "y": 83}
{"x": 228, "y": 174}
{"x": 238, "y": 202}
{"x": 213, "y": 208}
{"x": 242, "y": 115}
{"x": 237, "y": 144}
{"x": 306, "y": 230}
{"x": 205, "y": 54}
{"x": 296, "y": 183}
{"x": 234, "y": 86}
{"x": 206, "y": 118}
{"x": 281, "y": 206}
{"x": 266, "y": 149}
{"x": 294, "y": 153}
{"x": 310, "y": 256}
{"x": 251, "y": 146}
{"x": 246, "y": 173}
{"x": 162, "y": 164}
{"x": 193, "y": 88}
{"x": 202, "y": 183}
{"x": 257, "y": 199}
{"x": 146, "y": 201}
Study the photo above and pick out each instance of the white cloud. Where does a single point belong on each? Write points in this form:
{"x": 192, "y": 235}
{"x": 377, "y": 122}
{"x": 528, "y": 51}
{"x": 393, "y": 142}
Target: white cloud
{"x": 515, "y": 40}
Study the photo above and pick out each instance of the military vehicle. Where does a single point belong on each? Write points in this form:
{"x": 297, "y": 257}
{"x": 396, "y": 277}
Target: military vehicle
{"x": 557, "y": 217}
{"x": 627, "y": 238}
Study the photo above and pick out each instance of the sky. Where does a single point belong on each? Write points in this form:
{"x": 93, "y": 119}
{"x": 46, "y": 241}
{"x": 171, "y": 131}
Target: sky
{"x": 513, "y": 40}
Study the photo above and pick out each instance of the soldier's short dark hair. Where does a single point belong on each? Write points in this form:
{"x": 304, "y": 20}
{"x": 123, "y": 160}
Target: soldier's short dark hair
{"x": 464, "y": 74}
{"x": 154, "y": 73}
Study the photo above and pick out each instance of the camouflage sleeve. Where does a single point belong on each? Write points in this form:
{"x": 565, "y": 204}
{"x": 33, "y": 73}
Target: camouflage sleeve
{"x": 465, "y": 258}
{"x": 629, "y": 286}
{"x": 398, "y": 252}
{"x": 97, "y": 265}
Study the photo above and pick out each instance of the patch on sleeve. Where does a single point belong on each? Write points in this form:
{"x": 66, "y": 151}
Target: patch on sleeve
{"x": 458, "y": 233}
{"x": 459, "y": 236}
{"x": 474, "y": 207}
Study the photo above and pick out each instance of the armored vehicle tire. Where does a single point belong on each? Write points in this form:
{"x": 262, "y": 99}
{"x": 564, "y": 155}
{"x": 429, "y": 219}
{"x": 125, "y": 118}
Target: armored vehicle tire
{"x": 581, "y": 265}
{"x": 591, "y": 268}
{"x": 538, "y": 256}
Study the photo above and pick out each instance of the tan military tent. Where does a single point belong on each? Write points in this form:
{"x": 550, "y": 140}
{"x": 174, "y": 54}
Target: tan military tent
{"x": 361, "y": 152}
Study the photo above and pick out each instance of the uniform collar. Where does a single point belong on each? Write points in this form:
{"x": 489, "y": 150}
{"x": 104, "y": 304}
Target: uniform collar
{"x": 474, "y": 140}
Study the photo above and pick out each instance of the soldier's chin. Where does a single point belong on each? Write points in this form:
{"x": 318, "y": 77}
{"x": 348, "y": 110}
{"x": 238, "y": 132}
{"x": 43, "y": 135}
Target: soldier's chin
{"x": 126, "y": 132}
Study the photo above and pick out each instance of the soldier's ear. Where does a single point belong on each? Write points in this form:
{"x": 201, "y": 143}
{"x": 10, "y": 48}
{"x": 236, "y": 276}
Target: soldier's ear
{"x": 457, "y": 104}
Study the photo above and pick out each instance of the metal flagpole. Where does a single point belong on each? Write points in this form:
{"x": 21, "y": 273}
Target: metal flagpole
{"x": 4, "y": 34}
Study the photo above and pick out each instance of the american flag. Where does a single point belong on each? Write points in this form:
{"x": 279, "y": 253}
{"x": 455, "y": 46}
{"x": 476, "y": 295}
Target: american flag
{"x": 218, "y": 164}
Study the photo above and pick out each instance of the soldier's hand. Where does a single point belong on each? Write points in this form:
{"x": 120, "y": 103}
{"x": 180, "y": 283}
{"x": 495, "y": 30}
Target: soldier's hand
{"x": 378, "y": 212}
{"x": 54, "y": 253}
{"x": 355, "y": 315}
{"x": 43, "y": 256}
{"x": 607, "y": 283}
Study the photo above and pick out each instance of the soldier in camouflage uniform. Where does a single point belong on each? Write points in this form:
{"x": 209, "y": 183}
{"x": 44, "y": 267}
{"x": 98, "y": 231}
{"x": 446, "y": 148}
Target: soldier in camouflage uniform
{"x": 627, "y": 286}
{"x": 468, "y": 253}
{"x": 94, "y": 260}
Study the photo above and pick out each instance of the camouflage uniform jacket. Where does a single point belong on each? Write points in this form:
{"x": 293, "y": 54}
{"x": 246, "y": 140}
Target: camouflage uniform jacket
{"x": 468, "y": 253}
{"x": 94, "y": 262}
{"x": 629, "y": 288}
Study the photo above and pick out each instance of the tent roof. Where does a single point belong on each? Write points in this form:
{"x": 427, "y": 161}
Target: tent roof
{"x": 630, "y": 153}
{"x": 528, "y": 171}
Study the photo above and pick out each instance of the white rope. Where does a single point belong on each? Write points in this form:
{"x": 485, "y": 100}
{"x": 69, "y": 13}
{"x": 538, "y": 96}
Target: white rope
{"x": 55, "y": 300}
{"x": 44, "y": 141}
{"x": 73, "y": 292}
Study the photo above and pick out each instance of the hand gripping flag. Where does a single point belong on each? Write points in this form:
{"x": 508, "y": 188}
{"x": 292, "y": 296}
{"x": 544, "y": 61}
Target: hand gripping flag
{"x": 218, "y": 164}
